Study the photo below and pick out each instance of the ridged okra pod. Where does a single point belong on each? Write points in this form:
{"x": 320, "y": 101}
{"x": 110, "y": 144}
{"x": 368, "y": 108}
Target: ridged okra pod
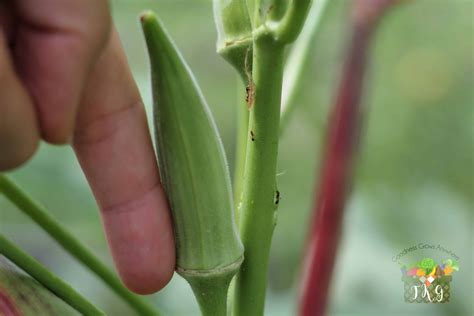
{"x": 194, "y": 173}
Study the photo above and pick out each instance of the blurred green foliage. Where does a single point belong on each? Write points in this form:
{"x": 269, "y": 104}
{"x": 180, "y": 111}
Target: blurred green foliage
{"x": 414, "y": 174}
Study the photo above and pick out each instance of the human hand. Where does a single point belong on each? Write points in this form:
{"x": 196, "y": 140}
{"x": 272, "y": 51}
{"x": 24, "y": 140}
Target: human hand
{"x": 64, "y": 78}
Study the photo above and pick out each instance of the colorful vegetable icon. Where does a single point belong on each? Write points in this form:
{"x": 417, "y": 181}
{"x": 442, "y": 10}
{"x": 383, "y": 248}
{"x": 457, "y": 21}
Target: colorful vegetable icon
{"x": 427, "y": 264}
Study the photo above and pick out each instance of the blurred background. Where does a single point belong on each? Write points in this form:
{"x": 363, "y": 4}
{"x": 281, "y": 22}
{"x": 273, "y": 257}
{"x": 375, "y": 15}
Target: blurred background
{"x": 414, "y": 176}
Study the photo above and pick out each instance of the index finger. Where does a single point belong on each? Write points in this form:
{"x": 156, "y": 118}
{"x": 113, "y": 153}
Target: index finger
{"x": 56, "y": 43}
{"x": 114, "y": 148}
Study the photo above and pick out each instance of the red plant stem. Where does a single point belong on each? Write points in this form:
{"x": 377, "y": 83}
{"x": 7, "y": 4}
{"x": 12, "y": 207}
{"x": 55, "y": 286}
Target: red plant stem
{"x": 7, "y": 305}
{"x": 335, "y": 178}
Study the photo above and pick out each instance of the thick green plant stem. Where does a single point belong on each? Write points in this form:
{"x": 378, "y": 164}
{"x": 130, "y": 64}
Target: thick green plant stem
{"x": 46, "y": 278}
{"x": 297, "y": 61}
{"x": 71, "y": 244}
{"x": 240, "y": 145}
{"x": 258, "y": 209}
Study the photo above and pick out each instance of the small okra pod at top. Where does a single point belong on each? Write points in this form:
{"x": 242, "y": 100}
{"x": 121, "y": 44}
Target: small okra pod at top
{"x": 234, "y": 35}
{"x": 194, "y": 173}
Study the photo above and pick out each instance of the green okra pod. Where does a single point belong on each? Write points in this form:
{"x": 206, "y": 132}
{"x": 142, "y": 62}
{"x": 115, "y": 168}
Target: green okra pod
{"x": 234, "y": 34}
{"x": 194, "y": 172}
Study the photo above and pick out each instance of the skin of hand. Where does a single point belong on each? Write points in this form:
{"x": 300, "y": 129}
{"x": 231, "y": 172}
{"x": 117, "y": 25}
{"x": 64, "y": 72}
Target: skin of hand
{"x": 64, "y": 79}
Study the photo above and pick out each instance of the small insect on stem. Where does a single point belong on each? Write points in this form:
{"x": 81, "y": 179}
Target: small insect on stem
{"x": 250, "y": 88}
{"x": 252, "y": 136}
{"x": 277, "y": 197}
{"x": 250, "y": 92}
